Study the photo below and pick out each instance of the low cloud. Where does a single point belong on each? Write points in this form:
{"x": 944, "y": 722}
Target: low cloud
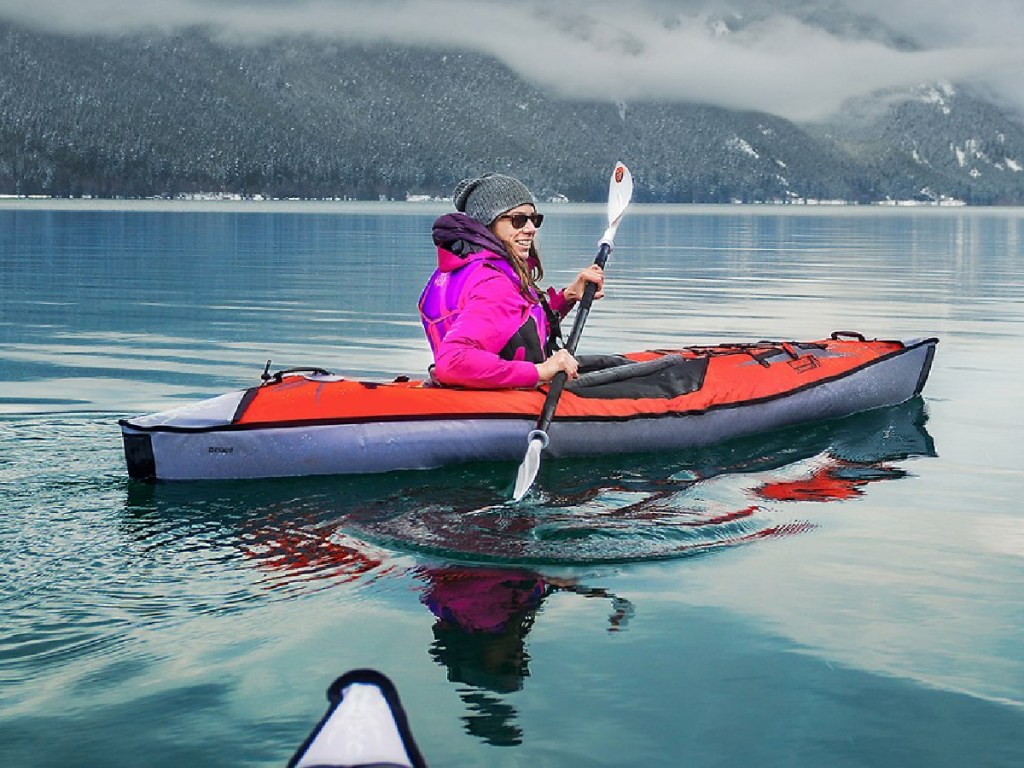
{"x": 736, "y": 56}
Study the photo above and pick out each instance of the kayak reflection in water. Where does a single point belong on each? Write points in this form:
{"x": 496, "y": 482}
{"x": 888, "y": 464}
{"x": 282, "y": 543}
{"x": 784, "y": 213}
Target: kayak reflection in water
{"x": 483, "y": 617}
{"x": 488, "y": 324}
{"x": 833, "y": 479}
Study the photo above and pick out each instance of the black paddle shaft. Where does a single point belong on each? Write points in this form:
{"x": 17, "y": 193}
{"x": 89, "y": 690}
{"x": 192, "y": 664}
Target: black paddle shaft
{"x": 582, "y": 311}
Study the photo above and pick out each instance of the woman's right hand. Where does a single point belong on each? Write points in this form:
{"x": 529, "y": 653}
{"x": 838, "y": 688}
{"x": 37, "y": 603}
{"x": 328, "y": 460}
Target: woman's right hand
{"x": 560, "y": 361}
{"x": 592, "y": 274}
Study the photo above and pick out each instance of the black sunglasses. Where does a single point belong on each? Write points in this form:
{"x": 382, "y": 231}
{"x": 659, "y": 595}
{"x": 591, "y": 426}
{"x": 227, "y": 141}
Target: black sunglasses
{"x": 519, "y": 219}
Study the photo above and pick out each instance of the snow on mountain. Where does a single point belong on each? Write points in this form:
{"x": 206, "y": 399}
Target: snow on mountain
{"x": 180, "y": 113}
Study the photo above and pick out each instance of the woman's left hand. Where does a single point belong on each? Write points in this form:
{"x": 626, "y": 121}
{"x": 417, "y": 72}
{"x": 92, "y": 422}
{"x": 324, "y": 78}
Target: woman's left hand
{"x": 592, "y": 274}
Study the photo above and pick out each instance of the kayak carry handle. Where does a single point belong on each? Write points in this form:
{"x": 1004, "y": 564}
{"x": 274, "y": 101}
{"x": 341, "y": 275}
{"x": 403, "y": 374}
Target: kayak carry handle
{"x": 278, "y": 376}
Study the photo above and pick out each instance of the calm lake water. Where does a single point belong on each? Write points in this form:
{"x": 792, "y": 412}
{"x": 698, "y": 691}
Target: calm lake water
{"x": 848, "y": 594}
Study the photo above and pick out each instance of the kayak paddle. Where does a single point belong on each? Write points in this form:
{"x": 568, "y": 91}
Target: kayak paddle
{"x": 620, "y": 190}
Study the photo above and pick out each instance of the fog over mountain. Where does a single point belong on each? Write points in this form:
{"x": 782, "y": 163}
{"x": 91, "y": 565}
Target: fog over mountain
{"x": 852, "y": 99}
{"x": 798, "y": 59}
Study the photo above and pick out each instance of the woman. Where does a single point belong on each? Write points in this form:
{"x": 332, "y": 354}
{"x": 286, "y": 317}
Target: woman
{"x": 488, "y": 324}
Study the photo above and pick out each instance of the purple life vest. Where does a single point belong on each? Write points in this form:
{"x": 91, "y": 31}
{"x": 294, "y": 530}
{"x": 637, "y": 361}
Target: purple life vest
{"x": 443, "y": 298}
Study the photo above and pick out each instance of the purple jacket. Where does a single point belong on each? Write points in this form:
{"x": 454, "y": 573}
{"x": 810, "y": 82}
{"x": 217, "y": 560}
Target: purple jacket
{"x": 471, "y": 307}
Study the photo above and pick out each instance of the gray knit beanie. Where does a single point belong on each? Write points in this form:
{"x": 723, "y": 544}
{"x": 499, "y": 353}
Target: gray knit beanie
{"x": 487, "y": 197}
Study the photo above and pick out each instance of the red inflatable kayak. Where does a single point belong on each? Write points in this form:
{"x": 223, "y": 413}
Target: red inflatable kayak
{"x": 313, "y": 423}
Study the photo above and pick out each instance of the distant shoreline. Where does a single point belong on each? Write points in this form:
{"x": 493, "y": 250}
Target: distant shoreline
{"x": 226, "y": 203}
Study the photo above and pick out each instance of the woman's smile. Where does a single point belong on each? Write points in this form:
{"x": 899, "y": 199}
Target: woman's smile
{"x": 517, "y": 241}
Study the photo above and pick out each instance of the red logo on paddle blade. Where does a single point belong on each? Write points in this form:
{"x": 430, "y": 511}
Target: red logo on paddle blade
{"x": 618, "y": 174}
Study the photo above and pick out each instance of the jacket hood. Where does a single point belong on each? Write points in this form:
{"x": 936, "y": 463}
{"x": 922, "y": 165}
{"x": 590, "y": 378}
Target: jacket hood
{"x": 461, "y": 239}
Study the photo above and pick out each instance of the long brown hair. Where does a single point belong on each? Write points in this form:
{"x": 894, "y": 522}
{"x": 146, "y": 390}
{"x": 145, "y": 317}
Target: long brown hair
{"x": 529, "y": 274}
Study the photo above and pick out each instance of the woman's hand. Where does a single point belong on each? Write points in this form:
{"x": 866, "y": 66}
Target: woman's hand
{"x": 560, "y": 361}
{"x": 592, "y": 274}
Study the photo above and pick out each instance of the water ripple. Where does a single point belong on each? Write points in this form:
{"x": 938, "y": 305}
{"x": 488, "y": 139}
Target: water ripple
{"x": 650, "y": 507}
{"x": 91, "y": 562}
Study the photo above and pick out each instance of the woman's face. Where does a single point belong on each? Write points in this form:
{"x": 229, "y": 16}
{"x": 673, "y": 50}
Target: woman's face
{"x": 517, "y": 241}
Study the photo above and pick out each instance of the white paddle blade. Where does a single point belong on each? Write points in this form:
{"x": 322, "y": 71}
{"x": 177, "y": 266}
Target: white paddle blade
{"x": 620, "y": 192}
{"x": 530, "y": 466}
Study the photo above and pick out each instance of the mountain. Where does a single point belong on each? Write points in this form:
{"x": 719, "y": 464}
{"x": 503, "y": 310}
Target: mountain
{"x": 166, "y": 115}
{"x": 934, "y": 141}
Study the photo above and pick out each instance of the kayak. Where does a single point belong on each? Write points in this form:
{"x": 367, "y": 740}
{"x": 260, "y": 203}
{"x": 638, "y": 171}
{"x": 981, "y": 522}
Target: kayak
{"x": 365, "y": 726}
{"x": 301, "y": 422}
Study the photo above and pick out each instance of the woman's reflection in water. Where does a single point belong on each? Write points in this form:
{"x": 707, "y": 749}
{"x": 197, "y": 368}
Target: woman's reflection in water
{"x": 483, "y": 617}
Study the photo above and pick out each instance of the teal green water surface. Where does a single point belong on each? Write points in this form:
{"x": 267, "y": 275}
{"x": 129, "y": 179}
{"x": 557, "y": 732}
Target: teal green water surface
{"x": 845, "y": 594}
